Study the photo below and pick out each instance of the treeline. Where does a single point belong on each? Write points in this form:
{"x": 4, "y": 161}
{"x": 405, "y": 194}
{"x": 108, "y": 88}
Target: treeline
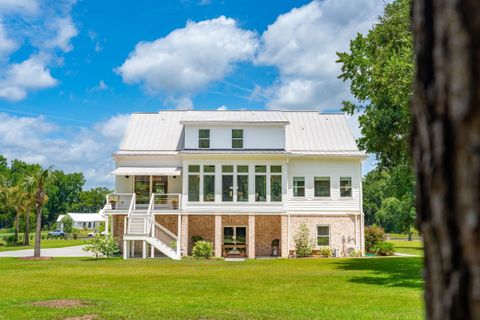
{"x": 62, "y": 193}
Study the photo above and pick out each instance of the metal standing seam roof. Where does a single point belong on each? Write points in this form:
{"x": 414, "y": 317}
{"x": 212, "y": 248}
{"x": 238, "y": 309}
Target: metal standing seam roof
{"x": 306, "y": 132}
{"x": 85, "y": 217}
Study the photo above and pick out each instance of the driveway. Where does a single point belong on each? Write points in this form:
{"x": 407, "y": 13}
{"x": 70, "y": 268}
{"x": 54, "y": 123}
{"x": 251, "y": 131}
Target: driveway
{"x": 75, "y": 251}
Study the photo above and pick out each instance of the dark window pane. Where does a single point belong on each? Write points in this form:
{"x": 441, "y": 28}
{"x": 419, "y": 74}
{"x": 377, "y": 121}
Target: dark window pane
{"x": 276, "y": 188}
{"x": 323, "y": 230}
{"x": 260, "y": 188}
{"x": 298, "y": 186}
{"x": 237, "y": 143}
{"x": 241, "y": 235}
{"x": 237, "y": 133}
{"x": 193, "y": 187}
{"x": 228, "y": 233}
{"x": 242, "y": 169}
{"x": 204, "y": 143}
{"x": 227, "y": 169}
{"x": 208, "y": 188}
{"x": 276, "y": 169}
{"x": 260, "y": 169}
{"x": 160, "y": 184}
{"x": 142, "y": 189}
{"x": 322, "y": 187}
{"x": 193, "y": 168}
{"x": 204, "y": 133}
{"x": 242, "y": 193}
{"x": 227, "y": 188}
{"x": 209, "y": 169}
{"x": 323, "y": 241}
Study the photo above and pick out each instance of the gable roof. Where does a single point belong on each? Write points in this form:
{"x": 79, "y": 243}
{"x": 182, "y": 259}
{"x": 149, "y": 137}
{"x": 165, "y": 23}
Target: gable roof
{"x": 306, "y": 132}
{"x": 85, "y": 217}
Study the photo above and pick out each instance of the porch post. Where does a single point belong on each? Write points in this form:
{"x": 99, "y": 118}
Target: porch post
{"x": 132, "y": 248}
{"x": 106, "y": 224}
{"x": 184, "y": 233}
{"x": 125, "y": 249}
{"x": 251, "y": 237}
{"x": 152, "y": 251}
{"x": 144, "y": 249}
{"x": 284, "y": 236}
{"x": 218, "y": 236}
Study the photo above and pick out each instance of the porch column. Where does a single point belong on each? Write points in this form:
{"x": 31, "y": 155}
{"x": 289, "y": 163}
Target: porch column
{"x": 184, "y": 235}
{"x": 284, "y": 236}
{"x": 218, "y": 236}
{"x": 251, "y": 237}
{"x": 125, "y": 249}
{"x": 106, "y": 224}
{"x": 144, "y": 249}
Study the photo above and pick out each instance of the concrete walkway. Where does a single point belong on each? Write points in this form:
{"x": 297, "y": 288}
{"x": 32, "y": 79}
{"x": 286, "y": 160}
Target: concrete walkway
{"x": 75, "y": 251}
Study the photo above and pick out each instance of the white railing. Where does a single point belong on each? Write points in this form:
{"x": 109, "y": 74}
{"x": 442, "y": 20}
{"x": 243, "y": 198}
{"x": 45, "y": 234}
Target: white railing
{"x": 119, "y": 201}
{"x": 166, "y": 201}
{"x": 165, "y": 236}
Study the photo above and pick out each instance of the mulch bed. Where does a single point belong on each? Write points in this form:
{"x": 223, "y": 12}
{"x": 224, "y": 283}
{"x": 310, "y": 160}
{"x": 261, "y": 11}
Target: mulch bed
{"x": 61, "y": 303}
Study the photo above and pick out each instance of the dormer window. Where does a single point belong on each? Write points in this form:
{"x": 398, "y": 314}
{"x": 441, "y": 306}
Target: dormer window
{"x": 204, "y": 138}
{"x": 237, "y": 138}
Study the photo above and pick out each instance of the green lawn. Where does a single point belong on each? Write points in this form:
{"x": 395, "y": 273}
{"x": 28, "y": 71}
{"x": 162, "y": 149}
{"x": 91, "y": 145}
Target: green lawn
{"x": 363, "y": 288}
{"x": 47, "y": 243}
{"x": 408, "y": 247}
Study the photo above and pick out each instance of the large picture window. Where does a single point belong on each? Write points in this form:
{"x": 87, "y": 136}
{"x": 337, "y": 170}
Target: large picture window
{"x": 194, "y": 183}
{"x": 275, "y": 183}
{"x": 208, "y": 183}
{"x": 260, "y": 183}
{"x": 346, "y": 187}
{"x": 237, "y": 138}
{"x": 323, "y": 236}
{"x": 299, "y": 186}
{"x": 227, "y": 183}
{"x": 204, "y": 138}
{"x": 142, "y": 189}
{"x": 322, "y": 186}
{"x": 242, "y": 183}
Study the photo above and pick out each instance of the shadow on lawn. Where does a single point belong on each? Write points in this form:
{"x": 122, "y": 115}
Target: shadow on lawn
{"x": 390, "y": 272}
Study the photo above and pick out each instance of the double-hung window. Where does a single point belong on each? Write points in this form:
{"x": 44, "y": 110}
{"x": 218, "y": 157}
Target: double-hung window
{"x": 275, "y": 183}
{"x": 237, "y": 138}
{"x": 299, "y": 186}
{"x": 194, "y": 183}
{"x": 345, "y": 187}
{"x": 261, "y": 183}
{"x": 227, "y": 183}
{"x": 204, "y": 138}
{"x": 209, "y": 183}
{"x": 322, "y": 186}
{"x": 323, "y": 236}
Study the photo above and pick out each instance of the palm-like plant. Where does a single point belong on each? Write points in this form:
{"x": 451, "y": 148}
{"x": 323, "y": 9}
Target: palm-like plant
{"x": 38, "y": 180}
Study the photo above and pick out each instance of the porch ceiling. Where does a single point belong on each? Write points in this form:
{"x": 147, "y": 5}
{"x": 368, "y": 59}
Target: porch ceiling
{"x": 147, "y": 171}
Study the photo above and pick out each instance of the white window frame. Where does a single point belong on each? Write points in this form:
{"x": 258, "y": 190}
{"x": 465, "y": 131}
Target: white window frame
{"x": 304, "y": 187}
{"x": 237, "y": 139}
{"x": 329, "y": 236}
{"x": 330, "y": 187}
{"x": 340, "y": 188}
{"x": 203, "y": 139}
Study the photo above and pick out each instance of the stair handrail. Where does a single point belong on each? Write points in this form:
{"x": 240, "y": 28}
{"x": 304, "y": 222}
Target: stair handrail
{"x": 130, "y": 209}
{"x": 150, "y": 219}
{"x": 165, "y": 230}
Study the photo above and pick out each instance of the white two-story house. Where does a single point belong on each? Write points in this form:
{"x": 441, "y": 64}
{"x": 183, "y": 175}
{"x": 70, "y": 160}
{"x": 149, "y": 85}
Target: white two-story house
{"x": 242, "y": 180}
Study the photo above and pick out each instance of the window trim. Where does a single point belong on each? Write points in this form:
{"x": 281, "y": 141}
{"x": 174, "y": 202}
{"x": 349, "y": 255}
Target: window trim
{"x": 304, "y": 188}
{"x": 203, "y": 139}
{"x": 329, "y": 235}
{"x": 329, "y": 189}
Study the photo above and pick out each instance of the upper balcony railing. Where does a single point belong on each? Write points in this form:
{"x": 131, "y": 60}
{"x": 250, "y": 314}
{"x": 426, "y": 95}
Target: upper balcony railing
{"x": 119, "y": 201}
{"x": 158, "y": 202}
{"x": 166, "y": 201}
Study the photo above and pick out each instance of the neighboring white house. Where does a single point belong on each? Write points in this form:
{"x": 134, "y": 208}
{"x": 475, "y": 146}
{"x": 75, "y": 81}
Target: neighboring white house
{"x": 82, "y": 220}
{"x": 243, "y": 180}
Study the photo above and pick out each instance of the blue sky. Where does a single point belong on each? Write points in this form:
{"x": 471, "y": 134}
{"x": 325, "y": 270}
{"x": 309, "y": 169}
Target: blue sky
{"x": 72, "y": 71}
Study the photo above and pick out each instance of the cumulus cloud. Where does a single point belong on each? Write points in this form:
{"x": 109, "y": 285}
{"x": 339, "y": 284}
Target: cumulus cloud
{"x": 303, "y": 43}
{"x": 78, "y": 149}
{"x": 189, "y": 58}
{"x": 48, "y": 28}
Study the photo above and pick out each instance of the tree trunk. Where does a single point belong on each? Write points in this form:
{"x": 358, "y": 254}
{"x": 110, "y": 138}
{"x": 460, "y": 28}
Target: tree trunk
{"x": 446, "y": 152}
{"x": 38, "y": 231}
{"x": 26, "y": 237}
{"x": 16, "y": 228}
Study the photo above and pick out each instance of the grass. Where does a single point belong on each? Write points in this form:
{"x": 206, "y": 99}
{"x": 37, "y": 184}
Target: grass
{"x": 47, "y": 243}
{"x": 408, "y": 247}
{"x": 363, "y": 288}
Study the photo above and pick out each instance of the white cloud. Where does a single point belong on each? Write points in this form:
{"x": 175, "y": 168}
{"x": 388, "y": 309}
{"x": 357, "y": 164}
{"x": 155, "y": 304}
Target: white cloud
{"x": 7, "y": 45}
{"x": 14, "y": 6}
{"x": 189, "y": 58}
{"x": 102, "y": 86}
{"x": 303, "y": 43}
{"x": 222, "y": 108}
{"x": 64, "y": 30}
{"x": 79, "y": 149}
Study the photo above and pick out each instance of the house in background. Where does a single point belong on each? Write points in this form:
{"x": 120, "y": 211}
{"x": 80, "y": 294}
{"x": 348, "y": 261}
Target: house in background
{"x": 82, "y": 220}
{"x": 243, "y": 180}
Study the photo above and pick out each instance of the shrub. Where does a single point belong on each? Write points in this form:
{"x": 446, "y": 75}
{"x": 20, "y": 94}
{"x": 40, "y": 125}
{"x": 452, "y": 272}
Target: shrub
{"x": 202, "y": 249}
{"x": 195, "y": 239}
{"x": 10, "y": 241}
{"x": 102, "y": 246}
{"x": 326, "y": 252}
{"x": 173, "y": 244}
{"x": 355, "y": 253}
{"x": 373, "y": 237}
{"x": 303, "y": 243}
{"x": 384, "y": 249}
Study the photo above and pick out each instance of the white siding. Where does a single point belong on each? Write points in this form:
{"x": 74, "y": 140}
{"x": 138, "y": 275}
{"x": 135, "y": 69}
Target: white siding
{"x": 254, "y": 137}
{"x": 310, "y": 168}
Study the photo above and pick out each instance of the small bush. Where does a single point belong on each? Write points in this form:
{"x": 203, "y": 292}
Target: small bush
{"x": 195, "y": 239}
{"x": 326, "y": 252}
{"x": 355, "y": 253}
{"x": 384, "y": 249}
{"x": 102, "y": 246}
{"x": 202, "y": 249}
{"x": 173, "y": 244}
{"x": 10, "y": 241}
{"x": 373, "y": 237}
{"x": 303, "y": 243}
